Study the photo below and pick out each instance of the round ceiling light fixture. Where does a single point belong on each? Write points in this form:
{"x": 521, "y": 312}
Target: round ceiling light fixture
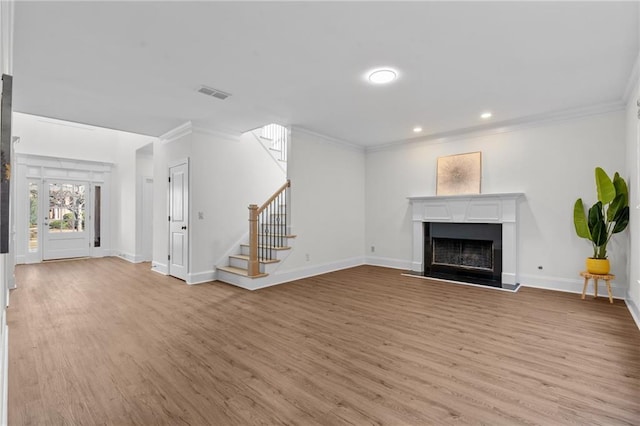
{"x": 485, "y": 115}
{"x": 417, "y": 129}
{"x": 382, "y": 76}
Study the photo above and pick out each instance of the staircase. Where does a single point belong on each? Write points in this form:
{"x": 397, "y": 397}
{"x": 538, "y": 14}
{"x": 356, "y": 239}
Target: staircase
{"x": 274, "y": 138}
{"x": 269, "y": 242}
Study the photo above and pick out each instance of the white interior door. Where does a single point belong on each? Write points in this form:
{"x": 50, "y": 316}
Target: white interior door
{"x": 66, "y": 230}
{"x": 178, "y": 220}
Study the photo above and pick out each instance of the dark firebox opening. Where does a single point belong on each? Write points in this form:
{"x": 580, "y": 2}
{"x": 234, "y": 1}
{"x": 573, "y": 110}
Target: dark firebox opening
{"x": 468, "y": 252}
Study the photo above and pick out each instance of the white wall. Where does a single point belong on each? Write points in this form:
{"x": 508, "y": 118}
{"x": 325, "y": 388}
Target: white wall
{"x": 7, "y": 261}
{"x": 61, "y": 139}
{"x": 327, "y": 205}
{"x": 125, "y": 194}
{"x": 552, "y": 163}
{"x": 633, "y": 175}
{"x": 227, "y": 173}
{"x": 144, "y": 213}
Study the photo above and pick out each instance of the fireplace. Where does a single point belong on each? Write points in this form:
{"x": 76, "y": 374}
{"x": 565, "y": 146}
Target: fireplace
{"x": 469, "y": 252}
{"x": 470, "y": 257}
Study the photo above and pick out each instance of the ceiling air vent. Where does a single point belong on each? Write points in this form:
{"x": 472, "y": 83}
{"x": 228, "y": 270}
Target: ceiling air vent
{"x": 209, "y": 91}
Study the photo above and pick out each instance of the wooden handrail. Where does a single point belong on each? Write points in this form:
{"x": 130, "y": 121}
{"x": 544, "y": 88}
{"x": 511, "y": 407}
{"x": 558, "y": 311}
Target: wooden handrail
{"x": 286, "y": 185}
{"x": 254, "y": 214}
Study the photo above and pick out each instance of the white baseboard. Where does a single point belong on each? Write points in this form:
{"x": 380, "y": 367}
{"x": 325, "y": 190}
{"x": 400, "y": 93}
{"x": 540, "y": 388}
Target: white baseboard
{"x": 129, "y": 257}
{"x": 201, "y": 277}
{"x": 633, "y": 308}
{"x": 570, "y": 285}
{"x": 294, "y": 274}
{"x": 389, "y": 262}
{"x": 5, "y": 376}
{"x": 160, "y": 268}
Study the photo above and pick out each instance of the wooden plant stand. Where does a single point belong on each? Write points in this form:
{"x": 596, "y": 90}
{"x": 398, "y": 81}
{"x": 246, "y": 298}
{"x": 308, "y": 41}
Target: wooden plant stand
{"x": 606, "y": 277}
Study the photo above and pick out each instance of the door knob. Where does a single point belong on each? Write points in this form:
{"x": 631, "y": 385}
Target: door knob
{"x": 184, "y": 227}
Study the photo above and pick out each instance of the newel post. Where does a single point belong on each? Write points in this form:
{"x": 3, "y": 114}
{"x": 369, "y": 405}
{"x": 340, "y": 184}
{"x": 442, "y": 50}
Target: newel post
{"x": 254, "y": 265}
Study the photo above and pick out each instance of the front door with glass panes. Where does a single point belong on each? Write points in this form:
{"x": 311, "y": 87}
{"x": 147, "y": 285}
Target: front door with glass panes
{"x": 66, "y": 232}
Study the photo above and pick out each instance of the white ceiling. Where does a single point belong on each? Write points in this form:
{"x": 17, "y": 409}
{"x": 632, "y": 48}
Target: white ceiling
{"x": 135, "y": 66}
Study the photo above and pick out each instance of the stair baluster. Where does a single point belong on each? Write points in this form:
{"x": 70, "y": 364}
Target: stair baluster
{"x": 267, "y": 228}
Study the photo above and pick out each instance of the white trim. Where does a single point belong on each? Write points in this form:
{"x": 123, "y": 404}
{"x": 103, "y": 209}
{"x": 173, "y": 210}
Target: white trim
{"x": 260, "y": 142}
{"x": 570, "y": 285}
{"x": 132, "y": 258}
{"x": 288, "y": 276}
{"x": 633, "y": 309}
{"x": 388, "y": 262}
{"x": 176, "y": 133}
{"x": 62, "y": 163}
{"x": 6, "y": 36}
{"x": 5, "y": 375}
{"x": 235, "y": 249}
{"x": 160, "y": 268}
{"x": 329, "y": 139}
{"x": 217, "y": 133}
{"x": 201, "y": 277}
{"x": 504, "y": 126}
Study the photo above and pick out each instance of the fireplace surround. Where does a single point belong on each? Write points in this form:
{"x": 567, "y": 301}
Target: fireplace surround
{"x": 498, "y": 209}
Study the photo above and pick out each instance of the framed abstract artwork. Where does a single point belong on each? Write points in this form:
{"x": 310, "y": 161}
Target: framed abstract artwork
{"x": 459, "y": 174}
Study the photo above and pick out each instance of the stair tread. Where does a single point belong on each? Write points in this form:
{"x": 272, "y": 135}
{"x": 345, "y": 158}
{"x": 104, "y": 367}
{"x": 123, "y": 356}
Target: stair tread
{"x": 240, "y": 271}
{"x": 245, "y": 257}
{"x": 272, "y": 248}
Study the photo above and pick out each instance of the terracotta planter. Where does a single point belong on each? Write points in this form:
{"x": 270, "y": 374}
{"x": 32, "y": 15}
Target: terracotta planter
{"x": 598, "y": 266}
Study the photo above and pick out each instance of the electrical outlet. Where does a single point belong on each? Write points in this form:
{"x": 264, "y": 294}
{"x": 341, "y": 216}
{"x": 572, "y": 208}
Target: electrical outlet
{"x": 307, "y": 257}
{"x": 200, "y": 215}
{"x": 373, "y": 249}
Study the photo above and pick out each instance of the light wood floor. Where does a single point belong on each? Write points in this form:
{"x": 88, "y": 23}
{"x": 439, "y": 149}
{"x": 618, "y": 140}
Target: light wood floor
{"x": 108, "y": 342}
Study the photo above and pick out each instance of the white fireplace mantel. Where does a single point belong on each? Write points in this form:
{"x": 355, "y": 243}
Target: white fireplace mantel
{"x": 476, "y": 208}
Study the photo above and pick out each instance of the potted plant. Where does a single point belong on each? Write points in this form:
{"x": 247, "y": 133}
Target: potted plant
{"x": 608, "y": 216}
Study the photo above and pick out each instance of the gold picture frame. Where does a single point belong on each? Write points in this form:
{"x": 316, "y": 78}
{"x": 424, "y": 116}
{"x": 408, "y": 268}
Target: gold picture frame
{"x": 459, "y": 174}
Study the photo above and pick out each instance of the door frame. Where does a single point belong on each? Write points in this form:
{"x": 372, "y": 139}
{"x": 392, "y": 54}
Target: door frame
{"x": 47, "y": 237}
{"x": 170, "y": 165}
{"x": 37, "y": 169}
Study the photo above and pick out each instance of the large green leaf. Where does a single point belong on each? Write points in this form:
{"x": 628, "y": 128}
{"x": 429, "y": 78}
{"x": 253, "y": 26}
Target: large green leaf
{"x": 622, "y": 220}
{"x": 597, "y": 226}
{"x": 594, "y": 216}
{"x": 621, "y": 188}
{"x": 604, "y": 186}
{"x": 616, "y": 205}
{"x": 580, "y": 220}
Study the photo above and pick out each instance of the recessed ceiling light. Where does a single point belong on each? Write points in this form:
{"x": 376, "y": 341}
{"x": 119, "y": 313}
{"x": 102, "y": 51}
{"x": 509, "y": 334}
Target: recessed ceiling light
{"x": 382, "y": 76}
{"x": 485, "y": 115}
{"x": 417, "y": 129}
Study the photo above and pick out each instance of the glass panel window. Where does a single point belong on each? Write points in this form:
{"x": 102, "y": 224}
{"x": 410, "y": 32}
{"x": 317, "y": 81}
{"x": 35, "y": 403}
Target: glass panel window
{"x": 66, "y": 207}
{"x": 33, "y": 217}
{"x": 96, "y": 217}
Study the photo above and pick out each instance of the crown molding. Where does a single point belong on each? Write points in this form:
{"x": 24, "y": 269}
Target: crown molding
{"x": 632, "y": 81}
{"x": 219, "y": 133}
{"x": 329, "y": 139}
{"x": 6, "y": 35}
{"x": 177, "y": 133}
{"x": 506, "y": 126}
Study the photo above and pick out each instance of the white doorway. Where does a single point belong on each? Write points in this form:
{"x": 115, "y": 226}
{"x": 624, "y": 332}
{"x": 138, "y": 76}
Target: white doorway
{"x": 178, "y": 219}
{"x": 66, "y": 227}
{"x": 62, "y": 208}
{"x": 147, "y": 219}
